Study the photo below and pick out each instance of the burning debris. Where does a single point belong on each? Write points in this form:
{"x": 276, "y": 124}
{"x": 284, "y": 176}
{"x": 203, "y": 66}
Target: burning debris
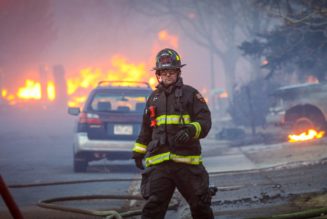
{"x": 305, "y": 136}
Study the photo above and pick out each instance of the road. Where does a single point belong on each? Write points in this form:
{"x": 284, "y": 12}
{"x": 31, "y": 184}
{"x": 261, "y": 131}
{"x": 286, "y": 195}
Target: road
{"x": 35, "y": 147}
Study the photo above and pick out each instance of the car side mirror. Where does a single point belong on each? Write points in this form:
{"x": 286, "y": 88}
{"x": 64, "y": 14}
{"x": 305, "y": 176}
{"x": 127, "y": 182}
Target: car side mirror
{"x": 75, "y": 111}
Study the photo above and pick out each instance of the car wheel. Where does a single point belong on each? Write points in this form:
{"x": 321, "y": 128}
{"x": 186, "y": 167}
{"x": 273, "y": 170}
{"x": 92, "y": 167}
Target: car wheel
{"x": 303, "y": 123}
{"x": 80, "y": 164}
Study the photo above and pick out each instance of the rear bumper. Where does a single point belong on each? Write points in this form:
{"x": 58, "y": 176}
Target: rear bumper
{"x": 83, "y": 143}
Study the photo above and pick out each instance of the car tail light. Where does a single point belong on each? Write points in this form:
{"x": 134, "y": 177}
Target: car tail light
{"x": 90, "y": 118}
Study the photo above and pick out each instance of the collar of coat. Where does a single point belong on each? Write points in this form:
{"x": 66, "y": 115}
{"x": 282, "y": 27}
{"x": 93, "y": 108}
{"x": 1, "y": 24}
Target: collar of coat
{"x": 171, "y": 88}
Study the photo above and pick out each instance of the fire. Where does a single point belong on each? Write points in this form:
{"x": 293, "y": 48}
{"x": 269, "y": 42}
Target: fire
{"x": 312, "y": 79}
{"x": 32, "y": 90}
{"x": 304, "y": 136}
{"x": 265, "y": 62}
{"x": 51, "y": 91}
{"x": 80, "y": 84}
{"x": 4, "y": 93}
{"x": 9, "y": 97}
{"x": 121, "y": 70}
{"x": 165, "y": 36}
{"x": 223, "y": 95}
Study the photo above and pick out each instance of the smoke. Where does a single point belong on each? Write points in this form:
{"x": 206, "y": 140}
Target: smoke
{"x": 89, "y": 34}
{"x": 84, "y": 34}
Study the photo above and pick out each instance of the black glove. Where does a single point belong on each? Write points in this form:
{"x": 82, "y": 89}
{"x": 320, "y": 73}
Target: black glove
{"x": 185, "y": 135}
{"x": 139, "y": 163}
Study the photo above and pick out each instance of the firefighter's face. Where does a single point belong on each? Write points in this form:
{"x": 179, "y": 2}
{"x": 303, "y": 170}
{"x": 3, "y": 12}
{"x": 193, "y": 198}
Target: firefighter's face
{"x": 168, "y": 76}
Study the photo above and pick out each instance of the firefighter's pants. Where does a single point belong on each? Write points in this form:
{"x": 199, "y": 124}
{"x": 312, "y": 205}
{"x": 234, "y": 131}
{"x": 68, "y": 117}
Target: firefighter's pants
{"x": 159, "y": 183}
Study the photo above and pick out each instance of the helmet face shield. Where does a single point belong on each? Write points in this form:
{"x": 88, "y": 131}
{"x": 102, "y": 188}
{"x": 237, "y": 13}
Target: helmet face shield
{"x": 168, "y": 59}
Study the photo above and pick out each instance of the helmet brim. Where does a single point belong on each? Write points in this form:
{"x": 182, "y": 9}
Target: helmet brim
{"x": 170, "y": 67}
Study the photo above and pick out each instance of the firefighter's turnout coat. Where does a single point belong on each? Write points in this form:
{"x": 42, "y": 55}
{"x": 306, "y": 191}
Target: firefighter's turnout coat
{"x": 167, "y": 111}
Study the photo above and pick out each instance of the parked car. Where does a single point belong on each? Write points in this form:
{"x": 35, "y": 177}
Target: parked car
{"x": 109, "y": 122}
{"x": 300, "y": 107}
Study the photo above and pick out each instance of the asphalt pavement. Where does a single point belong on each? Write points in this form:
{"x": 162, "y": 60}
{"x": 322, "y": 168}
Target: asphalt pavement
{"x": 276, "y": 176}
{"x": 230, "y": 166}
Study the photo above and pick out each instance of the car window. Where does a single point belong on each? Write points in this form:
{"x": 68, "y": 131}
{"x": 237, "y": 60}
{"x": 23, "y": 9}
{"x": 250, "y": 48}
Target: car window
{"x": 119, "y": 102}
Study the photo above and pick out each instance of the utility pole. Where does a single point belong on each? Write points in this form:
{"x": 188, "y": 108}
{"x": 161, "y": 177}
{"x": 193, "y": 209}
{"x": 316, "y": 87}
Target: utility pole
{"x": 43, "y": 72}
{"x": 1, "y": 88}
{"x": 212, "y": 83}
{"x": 252, "y": 116}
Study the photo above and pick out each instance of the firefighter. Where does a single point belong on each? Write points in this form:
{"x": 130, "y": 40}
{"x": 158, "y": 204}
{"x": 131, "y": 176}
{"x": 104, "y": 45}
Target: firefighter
{"x": 176, "y": 117}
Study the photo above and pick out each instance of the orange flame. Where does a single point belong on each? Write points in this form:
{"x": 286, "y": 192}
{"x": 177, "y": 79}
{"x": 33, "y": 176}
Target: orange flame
{"x": 9, "y": 97}
{"x": 51, "y": 91}
{"x": 165, "y": 36}
{"x": 121, "y": 70}
{"x": 265, "y": 62}
{"x": 312, "y": 79}
{"x": 80, "y": 84}
{"x": 223, "y": 95}
{"x": 4, "y": 93}
{"x": 305, "y": 136}
{"x": 32, "y": 90}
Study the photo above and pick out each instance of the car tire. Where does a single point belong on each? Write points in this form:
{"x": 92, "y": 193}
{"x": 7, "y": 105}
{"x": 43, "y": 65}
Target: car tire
{"x": 302, "y": 123}
{"x": 80, "y": 165}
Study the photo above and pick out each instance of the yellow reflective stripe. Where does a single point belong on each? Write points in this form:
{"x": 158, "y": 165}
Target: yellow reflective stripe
{"x": 161, "y": 120}
{"x": 140, "y": 148}
{"x": 172, "y": 119}
{"x": 197, "y": 129}
{"x": 159, "y": 158}
{"x": 195, "y": 159}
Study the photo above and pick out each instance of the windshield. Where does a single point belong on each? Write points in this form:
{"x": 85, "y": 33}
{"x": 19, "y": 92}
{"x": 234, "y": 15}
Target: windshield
{"x": 119, "y": 102}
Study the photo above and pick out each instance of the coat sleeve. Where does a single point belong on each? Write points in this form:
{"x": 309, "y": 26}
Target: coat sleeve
{"x": 201, "y": 118}
{"x": 145, "y": 135}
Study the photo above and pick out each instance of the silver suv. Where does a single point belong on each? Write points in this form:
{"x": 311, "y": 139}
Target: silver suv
{"x": 109, "y": 122}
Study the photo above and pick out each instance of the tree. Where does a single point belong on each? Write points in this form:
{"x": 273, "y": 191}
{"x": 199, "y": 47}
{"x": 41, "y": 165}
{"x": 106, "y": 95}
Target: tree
{"x": 219, "y": 26}
{"x": 299, "y": 45}
{"x": 254, "y": 21}
{"x": 210, "y": 24}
